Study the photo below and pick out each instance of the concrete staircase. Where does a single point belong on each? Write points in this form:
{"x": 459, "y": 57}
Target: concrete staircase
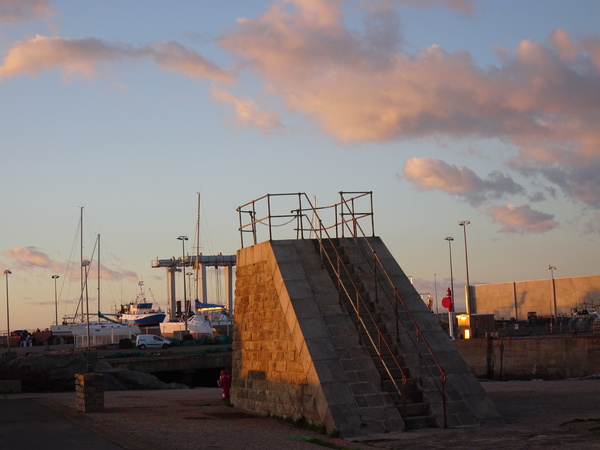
{"x": 396, "y": 378}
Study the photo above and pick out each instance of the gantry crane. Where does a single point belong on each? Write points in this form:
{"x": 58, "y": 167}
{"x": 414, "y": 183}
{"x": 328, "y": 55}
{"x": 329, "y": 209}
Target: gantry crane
{"x": 199, "y": 264}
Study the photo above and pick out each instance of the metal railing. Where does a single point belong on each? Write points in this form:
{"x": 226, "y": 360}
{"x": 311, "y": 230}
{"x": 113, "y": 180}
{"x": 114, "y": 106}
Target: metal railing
{"x": 308, "y": 222}
{"x": 268, "y": 217}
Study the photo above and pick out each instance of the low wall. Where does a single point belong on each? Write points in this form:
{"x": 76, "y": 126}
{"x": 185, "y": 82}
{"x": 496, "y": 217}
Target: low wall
{"x": 549, "y": 358}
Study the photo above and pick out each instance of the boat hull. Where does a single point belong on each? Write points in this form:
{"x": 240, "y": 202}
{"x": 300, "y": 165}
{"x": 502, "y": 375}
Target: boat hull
{"x": 95, "y": 329}
{"x": 143, "y": 320}
{"x": 195, "y": 327}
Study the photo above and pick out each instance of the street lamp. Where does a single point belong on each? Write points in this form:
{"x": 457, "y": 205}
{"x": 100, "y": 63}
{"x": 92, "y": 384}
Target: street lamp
{"x": 551, "y": 268}
{"x": 436, "y": 298}
{"x": 450, "y": 319}
{"x": 185, "y": 309}
{"x": 55, "y": 277}
{"x": 189, "y": 276}
{"x": 464, "y": 223}
{"x": 6, "y": 274}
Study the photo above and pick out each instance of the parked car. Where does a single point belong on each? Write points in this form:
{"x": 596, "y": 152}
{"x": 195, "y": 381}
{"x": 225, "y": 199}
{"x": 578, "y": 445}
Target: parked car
{"x": 151, "y": 341}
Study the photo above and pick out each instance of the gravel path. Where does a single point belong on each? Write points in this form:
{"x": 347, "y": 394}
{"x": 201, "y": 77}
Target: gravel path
{"x": 539, "y": 414}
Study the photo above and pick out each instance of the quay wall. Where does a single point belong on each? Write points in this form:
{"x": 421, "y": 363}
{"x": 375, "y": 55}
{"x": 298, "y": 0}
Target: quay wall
{"x": 548, "y": 358}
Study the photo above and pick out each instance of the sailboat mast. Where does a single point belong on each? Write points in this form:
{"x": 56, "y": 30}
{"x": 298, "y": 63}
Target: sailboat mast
{"x": 98, "y": 277}
{"x": 81, "y": 266}
{"x": 198, "y": 250}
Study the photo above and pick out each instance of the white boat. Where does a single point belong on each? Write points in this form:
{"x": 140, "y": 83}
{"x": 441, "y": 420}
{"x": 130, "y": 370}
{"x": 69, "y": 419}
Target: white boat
{"x": 197, "y": 325}
{"x": 141, "y": 312}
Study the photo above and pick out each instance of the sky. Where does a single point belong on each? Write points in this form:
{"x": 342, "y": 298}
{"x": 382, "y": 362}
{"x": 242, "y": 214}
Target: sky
{"x": 447, "y": 110}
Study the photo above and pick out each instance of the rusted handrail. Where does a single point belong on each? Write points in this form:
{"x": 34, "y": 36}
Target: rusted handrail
{"x": 398, "y": 299}
{"x": 297, "y": 215}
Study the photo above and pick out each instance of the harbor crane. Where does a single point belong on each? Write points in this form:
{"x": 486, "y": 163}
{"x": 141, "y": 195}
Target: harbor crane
{"x": 199, "y": 263}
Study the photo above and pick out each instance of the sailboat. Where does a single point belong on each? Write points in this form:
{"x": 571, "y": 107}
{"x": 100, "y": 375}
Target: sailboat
{"x": 204, "y": 317}
{"x": 99, "y": 332}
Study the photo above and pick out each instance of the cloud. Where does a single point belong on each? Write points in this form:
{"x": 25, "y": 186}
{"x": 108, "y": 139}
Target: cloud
{"x": 248, "y": 112}
{"x": 28, "y": 258}
{"x": 32, "y": 258}
{"x": 116, "y": 275}
{"x": 433, "y": 174}
{"x": 463, "y": 6}
{"x": 582, "y": 183}
{"x": 12, "y": 11}
{"x": 86, "y": 55}
{"x": 592, "y": 224}
{"x": 174, "y": 57}
{"x": 522, "y": 219}
{"x": 541, "y": 98}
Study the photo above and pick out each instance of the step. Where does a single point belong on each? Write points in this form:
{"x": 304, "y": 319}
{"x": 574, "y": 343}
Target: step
{"x": 420, "y": 422}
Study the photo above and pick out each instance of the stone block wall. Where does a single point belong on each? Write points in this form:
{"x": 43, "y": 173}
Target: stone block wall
{"x": 296, "y": 353}
{"x": 268, "y": 377}
{"x": 89, "y": 392}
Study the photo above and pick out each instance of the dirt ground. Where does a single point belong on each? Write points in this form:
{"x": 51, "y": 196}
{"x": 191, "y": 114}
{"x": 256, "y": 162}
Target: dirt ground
{"x": 539, "y": 414}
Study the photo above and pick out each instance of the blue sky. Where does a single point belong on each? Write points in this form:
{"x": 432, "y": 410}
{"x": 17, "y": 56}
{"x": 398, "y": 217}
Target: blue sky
{"x": 446, "y": 109}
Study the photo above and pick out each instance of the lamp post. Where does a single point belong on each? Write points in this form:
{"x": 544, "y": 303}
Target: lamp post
{"x": 551, "y": 268}
{"x": 436, "y": 299}
{"x": 189, "y": 277}
{"x": 185, "y": 309}
{"x": 6, "y": 274}
{"x": 55, "y": 277}
{"x": 450, "y": 318}
{"x": 464, "y": 223}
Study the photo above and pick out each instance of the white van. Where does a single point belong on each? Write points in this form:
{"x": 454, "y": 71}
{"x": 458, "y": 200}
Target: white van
{"x": 151, "y": 340}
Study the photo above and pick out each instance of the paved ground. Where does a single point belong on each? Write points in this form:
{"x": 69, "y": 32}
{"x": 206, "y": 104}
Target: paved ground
{"x": 540, "y": 414}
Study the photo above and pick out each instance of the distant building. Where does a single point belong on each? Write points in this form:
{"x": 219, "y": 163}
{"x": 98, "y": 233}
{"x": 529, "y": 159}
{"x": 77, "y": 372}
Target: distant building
{"x": 519, "y": 299}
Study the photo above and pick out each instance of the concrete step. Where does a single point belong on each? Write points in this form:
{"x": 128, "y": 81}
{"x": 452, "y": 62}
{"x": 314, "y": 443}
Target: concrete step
{"x": 420, "y": 422}
{"x": 416, "y": 409}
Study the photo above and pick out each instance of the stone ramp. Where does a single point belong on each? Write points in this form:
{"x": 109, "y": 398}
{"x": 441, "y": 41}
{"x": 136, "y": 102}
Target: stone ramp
{"x": 298, "y": 354}
{"x": 426, "y": 354}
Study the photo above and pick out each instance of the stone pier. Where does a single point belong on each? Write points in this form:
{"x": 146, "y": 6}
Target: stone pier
{"x": 297, "y": 352}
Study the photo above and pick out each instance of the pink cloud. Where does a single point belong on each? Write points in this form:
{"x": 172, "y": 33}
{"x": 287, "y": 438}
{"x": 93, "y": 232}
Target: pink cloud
{"x": 115, "y": 275}
{"x": 433, "y": 174}
{"x": 248, "y": 112}
{"x": 85, "y": 56}
{"x": 463, "y": 6}
{"x": 22, "y": 10}
{"x": 359, "y": 87}
{"x": 31, "y": 257}
{"x": 522, "y": 219}
{"x": 174, "y": 57}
